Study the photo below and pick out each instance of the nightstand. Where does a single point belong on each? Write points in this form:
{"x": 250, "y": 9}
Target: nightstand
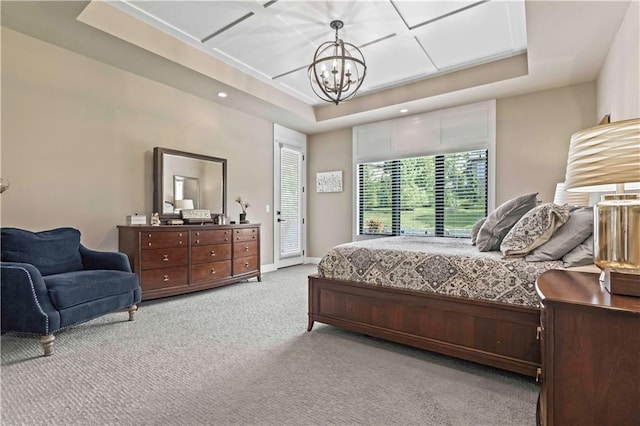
{"x": 590, "y": 352}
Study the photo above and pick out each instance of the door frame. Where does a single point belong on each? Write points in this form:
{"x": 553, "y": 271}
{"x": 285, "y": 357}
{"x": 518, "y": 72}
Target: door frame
{"x": 298, "y": 141}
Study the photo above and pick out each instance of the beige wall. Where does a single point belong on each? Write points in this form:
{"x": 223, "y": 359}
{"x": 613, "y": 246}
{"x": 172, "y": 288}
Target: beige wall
{"x": 78, "y": 135}
{"x": 532, "y": 138}
{"x": 532, "y": 141}
{"x": 619, "y": 79}
{"x": 329, "y": 213}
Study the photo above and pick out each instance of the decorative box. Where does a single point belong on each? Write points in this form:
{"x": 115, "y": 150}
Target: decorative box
{"x": 137, "y": 219}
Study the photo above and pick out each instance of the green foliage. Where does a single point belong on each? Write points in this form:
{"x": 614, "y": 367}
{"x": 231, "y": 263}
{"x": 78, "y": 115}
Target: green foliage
{"x": 464, "y": 190}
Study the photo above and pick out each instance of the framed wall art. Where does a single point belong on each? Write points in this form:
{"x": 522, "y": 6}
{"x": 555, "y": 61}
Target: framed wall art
{"x": 329, "y": 181}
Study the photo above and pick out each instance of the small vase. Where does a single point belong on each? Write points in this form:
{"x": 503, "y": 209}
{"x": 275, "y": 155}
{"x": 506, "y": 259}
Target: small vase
{"x": 243, "y": 218}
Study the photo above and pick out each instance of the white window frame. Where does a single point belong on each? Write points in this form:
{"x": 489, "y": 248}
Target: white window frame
{"x": 462, "y": 128}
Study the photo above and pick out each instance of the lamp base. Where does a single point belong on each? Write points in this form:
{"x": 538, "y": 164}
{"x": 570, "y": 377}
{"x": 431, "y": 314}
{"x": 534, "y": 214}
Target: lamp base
{"x": 622, "y": 284}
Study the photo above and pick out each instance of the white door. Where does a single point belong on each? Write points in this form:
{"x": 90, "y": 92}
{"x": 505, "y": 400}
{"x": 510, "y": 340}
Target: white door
{"x": 290, "y": 151}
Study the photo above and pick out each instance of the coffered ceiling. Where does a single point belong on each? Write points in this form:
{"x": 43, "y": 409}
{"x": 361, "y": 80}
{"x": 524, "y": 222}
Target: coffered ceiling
{"x": 421, "y": 55}
{"x": 401, "y": 41}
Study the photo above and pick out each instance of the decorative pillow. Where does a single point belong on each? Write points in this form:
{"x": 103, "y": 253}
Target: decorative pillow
{"x": 534, "y": 229}
{"x": 51, "y": 252}
{"x": 502, "y": 219}
{"x": 566, "y": 238}
{"x": 581, "y": 255}
{"x": 475, "y": 229}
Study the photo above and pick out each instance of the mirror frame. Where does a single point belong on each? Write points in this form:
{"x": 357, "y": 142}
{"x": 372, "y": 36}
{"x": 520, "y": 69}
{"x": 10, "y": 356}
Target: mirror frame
{"x": 158, "y": 169}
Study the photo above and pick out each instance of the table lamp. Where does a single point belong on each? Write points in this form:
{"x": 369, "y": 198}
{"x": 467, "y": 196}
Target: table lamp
{"x": 602, "y": 159}
{"x": 183, "y": 205}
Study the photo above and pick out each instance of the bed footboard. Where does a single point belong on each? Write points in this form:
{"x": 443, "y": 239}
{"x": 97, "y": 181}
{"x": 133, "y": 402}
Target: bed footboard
{"x": 495, "y": 334}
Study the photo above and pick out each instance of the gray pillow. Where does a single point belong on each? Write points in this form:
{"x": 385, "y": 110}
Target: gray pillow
{"x": 475, "y": 229}
{"x": 566, "y": 238}
{"x": 535, "y": 228}
{"x": 502, "y": 219}
{"x": 581, "y": 255}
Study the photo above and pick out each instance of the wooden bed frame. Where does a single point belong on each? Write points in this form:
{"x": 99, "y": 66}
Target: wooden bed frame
{"x": 495, "y": 334}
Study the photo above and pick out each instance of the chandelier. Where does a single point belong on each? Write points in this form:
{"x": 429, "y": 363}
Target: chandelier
{"x": 338, "y": 69}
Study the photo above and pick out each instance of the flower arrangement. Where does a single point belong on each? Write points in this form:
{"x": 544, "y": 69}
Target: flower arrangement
{"x": 243, "y": 204}
{"x": 374, "y": 226}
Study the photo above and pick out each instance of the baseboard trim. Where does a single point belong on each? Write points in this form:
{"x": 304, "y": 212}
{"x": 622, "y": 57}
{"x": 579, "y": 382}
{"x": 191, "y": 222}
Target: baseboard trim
{"x": 267, "y": 268}
{"x": 313, "y": 260}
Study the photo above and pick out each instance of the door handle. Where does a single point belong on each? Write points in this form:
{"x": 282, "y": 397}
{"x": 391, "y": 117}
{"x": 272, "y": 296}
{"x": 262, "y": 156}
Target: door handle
{"x": 282, "y": 220}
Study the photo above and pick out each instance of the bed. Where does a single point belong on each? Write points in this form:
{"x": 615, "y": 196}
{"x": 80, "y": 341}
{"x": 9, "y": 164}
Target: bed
{"x": 438, "y": 294}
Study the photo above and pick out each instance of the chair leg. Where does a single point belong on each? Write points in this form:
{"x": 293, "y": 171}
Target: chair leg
{"x": 47, "y": 344}
{"x": 132, "y": 312}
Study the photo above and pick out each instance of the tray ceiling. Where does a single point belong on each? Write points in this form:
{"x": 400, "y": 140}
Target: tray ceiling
{"x": 402, "y": 41}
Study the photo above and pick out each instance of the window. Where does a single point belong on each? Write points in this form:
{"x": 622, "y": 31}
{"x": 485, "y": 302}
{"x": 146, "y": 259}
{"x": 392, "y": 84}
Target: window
{"x": 440, "y": 195}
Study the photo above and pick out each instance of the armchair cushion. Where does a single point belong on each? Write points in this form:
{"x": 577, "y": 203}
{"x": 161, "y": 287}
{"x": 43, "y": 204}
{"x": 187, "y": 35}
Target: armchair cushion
{"x": 75, "y": 288}
{"x": 51, "y": 252}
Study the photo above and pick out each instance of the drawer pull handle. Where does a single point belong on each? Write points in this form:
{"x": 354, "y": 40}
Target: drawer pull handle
{"x": 246, "y": 264}
{"x": 180, "y": 242}
{"x": 197, "y": 241}
{"x": 226, "y": 239}
{"x": 149, "y": 244}
{"x": 253, "y": 236}
{"x": 180, "y": 234}
{"x": 165, "y": 278}
{"x": 149, "y": 235}
{"x": 246, "y": 248}
{"x": 538, "y": 332}
{"x": 213, "y": 270}
{"x": 197, "y": 234}
{"x": 539, "y": 375}
{"x": 213, "y": 253}
{"x": 165, "y": 257}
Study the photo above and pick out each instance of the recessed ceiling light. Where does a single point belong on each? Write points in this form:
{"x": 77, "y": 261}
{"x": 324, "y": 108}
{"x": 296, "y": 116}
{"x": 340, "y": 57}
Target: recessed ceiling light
{"x": 222, "y": 95}
{"x": 404, "y": 110}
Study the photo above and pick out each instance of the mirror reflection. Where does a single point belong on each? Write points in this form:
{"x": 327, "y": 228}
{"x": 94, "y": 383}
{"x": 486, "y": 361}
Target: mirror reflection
{"x": 188, "y": 181}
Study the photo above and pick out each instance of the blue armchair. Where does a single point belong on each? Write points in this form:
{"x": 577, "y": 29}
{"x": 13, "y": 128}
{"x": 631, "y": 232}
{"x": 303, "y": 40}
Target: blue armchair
{"x": 49, "y": 281}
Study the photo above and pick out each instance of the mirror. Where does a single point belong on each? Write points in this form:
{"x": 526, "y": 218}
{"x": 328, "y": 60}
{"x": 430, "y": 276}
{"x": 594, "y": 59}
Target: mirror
{"x": 184, "y": 179}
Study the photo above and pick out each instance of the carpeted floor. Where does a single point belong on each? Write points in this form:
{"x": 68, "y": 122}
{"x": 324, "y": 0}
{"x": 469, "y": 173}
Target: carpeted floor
{"x": 241, "y": 355}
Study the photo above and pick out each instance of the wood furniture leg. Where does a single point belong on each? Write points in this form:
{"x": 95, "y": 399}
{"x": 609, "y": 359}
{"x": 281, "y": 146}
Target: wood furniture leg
{"x": 47, "y": 344}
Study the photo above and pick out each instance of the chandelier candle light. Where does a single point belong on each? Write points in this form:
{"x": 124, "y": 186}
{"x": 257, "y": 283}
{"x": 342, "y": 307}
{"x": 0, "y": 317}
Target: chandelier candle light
{"x": 338, "y": 69}
{"x": 607, "y": 158}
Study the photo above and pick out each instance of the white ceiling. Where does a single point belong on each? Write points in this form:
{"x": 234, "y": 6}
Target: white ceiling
{"x": 566, "y": 43}
{"x": 401, "y": 41}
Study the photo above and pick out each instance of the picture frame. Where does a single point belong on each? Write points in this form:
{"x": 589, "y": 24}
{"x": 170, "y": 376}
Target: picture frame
{"x": 329, "y": 181}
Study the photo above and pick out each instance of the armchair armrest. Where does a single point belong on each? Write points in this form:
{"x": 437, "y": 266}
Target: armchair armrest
{"x": 25, "y": 303}
{"x": 92, "y": 259}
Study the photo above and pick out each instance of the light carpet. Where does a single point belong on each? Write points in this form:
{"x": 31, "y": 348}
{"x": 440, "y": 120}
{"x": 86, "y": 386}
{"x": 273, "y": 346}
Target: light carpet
{"x": 241, "y": 354}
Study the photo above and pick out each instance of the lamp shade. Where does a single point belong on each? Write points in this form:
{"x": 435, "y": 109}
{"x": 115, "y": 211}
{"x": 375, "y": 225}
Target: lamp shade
{"x": 570, "y": 198}
{"x": 603, "y": 156}
{"x": 184, "y": 204}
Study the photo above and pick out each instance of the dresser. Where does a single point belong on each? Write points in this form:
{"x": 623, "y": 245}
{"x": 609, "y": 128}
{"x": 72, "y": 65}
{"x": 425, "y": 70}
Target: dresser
{"x": 590, "y": 352}
{"x": 172, "y": 260}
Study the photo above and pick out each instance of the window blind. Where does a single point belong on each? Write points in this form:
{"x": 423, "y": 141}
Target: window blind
{"x": 440, "y": 195}
{"x": 290, "y": 208}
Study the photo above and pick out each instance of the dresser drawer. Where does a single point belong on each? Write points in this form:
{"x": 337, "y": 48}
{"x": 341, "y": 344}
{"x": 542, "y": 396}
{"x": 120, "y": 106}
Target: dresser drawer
{"x": 204, "y": 272}
{"x": 245, "y": 264}
{"x": 245, "y": 234}
{"x": 245, "y": 248}
{"x": 154, "y": 240}
{"x": 210, "y": 253}
{"x": 204, "y": 238}
{"x": 164, "y": 257}
{"x": 164, "y": 277}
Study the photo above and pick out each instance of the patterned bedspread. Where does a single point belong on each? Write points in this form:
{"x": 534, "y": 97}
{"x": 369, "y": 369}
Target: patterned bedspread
{"x": 449, "y": 266}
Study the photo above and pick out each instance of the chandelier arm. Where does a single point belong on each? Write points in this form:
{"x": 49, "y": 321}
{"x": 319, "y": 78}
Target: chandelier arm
{"x": 337, "y": 88}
